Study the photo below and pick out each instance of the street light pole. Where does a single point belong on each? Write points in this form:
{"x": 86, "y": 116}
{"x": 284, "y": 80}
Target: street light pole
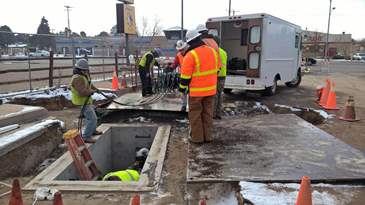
{"x": 229, "y": 8}
{"x": 328, "y": 30}
{"x": 70, "y": 34}
{"x": 182, "y": 19}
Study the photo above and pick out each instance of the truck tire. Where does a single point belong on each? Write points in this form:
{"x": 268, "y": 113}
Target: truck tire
{"x": 270, "y": 91}
{"x": 295, "y": 83}
{"x": 227, "y": 90}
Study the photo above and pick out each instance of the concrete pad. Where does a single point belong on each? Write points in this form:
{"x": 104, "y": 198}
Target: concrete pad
{"x": 157, "y": 102}
{"x": 17, "y": 114}
{"x": 21, "y": 150}
{"x": 273, "y": 148}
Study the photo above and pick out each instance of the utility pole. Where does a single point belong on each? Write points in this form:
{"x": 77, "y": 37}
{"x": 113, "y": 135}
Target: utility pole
{"x": 70, "y": 34}
{"x": 328, "y": 30}
{"x": 229, "y": 8}
{"x": 182, "y": 20}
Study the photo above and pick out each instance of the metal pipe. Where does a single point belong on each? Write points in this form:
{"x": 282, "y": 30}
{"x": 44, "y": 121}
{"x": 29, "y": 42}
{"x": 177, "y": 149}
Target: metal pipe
{"x": 182, "y": 19}
{"x": 328, "y": 30}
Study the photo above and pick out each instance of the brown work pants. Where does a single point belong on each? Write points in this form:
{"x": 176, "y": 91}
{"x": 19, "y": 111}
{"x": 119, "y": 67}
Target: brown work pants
{"x": 201, "y": 118}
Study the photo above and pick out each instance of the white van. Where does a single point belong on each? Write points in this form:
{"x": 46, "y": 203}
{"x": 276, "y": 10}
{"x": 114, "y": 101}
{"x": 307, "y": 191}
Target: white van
{"x": 262, "y": 49}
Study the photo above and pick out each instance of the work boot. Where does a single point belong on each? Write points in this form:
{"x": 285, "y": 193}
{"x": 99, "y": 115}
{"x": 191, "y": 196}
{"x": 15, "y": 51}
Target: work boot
{"x": 89, "y": 140}
{"x": 183, "y": 109}
{"x": 97, "y": 132}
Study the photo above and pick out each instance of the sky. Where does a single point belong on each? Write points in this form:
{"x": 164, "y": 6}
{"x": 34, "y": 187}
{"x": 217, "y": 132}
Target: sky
{"x": 96, "y": 16}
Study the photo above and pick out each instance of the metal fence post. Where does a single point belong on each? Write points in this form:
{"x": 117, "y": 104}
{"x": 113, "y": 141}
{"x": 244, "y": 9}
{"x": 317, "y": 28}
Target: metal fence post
{"x": 50, "y": 79}
{"x": 116, "y": 63}
{"x": 29, "y": 73}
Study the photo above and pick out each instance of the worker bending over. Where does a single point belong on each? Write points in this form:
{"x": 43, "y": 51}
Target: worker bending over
{"x": 145, "y": 69}
{"x": 81, "y": 91}
{"x": 199, "y": 79}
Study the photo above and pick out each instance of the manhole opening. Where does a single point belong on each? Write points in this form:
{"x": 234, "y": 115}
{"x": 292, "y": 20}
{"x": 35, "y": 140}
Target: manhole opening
{"x": 115, "y": 150}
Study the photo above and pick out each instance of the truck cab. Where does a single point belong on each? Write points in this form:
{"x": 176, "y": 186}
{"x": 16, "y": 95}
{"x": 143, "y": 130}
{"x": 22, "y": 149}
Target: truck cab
{"x": 261, "y": 49}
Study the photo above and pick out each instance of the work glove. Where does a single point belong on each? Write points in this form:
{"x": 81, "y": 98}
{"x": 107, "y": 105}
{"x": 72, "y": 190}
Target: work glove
{"x": 183, "y": 90}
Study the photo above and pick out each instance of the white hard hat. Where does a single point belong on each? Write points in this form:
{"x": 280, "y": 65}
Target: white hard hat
{"x": 82, "y": 64}
{"x": 201, "y": 28}
{"x": 180, "y": 45}
{"x": 191, "y": 35}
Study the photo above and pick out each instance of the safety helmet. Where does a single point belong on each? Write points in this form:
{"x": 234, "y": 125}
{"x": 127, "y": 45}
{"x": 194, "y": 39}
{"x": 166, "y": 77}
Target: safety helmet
{"x": 180, "y": 45}
{"x": 82, "y": 64}
{"x": 191, "y": 35}
{"x": 156, "y": 52}
{"x": 201, "y": 28}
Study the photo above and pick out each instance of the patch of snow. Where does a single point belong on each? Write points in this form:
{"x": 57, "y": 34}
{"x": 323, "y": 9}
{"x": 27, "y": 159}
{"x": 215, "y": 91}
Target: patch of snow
{"x": 98, "y": 96}
{"x": 8, "y": 128}
{"x": 26, "y": 132}
{"x": 289, "y": 107}
{"x": 272, "y": 194}
{"x": 63, "y": 91}
{"x": 260, "y": 106}
{"x": 139, "y": 119}
{"x": 324, "y": 114}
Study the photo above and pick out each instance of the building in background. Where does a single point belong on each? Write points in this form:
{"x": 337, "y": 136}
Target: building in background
{"x": 340, "y": 45}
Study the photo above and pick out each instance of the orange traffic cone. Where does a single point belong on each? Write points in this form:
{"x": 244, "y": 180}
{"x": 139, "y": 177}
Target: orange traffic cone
{"x": 135, "y": 200}
{"x": 57, "y": 199}
{"x": 349, "y": 114}
{"x": 16, "y": 194}
{"x": 115, "y": 82}
{"x": 331, "y": 100}
{"x": 305, "y": 192}
{"x": 202, "y": 202}
{"x": 124, "y": 81}
{"x": 325, "y": 92}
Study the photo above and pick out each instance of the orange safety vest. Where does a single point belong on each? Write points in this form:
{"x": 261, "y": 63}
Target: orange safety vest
{"x": 211, "y": 43}
{"x": 200, "y": 66}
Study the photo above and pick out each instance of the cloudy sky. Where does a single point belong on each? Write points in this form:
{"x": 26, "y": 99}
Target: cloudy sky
{"x": 96, "y": 16}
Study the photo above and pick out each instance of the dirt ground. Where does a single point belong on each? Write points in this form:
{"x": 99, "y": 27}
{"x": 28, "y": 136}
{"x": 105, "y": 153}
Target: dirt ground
{"x": 173, "y": 189}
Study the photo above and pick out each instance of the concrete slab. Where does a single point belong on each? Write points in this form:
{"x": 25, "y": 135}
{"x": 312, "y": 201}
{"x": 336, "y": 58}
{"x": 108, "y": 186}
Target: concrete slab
{"x": 22, "y": 149}
{"x": 157, "y": 102}
{"x": 17, "y": 114}
{"x": 273, "y": 148}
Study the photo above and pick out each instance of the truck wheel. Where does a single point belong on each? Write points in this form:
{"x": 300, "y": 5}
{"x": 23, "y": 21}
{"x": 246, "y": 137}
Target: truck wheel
{"x": 270, "y": 91}
{"x": 227, "y": 90}
{"x": 295, "y": 82}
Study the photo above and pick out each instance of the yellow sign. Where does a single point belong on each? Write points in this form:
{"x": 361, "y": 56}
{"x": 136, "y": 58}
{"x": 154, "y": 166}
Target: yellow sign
{"x": 129, "y": 20}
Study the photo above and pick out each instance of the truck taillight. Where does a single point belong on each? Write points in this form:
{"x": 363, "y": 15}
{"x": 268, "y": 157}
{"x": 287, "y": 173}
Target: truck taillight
{"x": 252, "y": 82}
{"x": 248, "y": 81}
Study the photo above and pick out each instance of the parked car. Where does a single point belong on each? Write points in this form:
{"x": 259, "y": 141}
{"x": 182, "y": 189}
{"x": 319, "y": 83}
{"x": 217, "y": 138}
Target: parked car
{"x": 309, "y": 61}
{"x": 359, "y": 56}
{"x": 39, "y": 53}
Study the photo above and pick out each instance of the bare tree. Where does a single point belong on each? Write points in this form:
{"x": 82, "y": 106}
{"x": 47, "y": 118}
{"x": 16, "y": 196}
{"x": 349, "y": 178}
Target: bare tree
{"x": 156, "y": 29}
{"x": 144, "y": 26}
{"x": 147, "y": 30}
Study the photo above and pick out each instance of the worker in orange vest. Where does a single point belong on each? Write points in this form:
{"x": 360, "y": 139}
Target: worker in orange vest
{"x": 209, "y": 40}
{"x": 199, "y": 79}
{"x": 180, "y": 47}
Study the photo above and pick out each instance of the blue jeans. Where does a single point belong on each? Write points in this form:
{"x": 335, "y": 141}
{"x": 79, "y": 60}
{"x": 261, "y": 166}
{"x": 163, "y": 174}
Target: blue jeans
{"x": 90, "y": 121}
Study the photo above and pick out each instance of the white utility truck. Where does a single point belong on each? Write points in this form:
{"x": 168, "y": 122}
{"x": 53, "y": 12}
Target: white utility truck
{"x": 261, "y": 49}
